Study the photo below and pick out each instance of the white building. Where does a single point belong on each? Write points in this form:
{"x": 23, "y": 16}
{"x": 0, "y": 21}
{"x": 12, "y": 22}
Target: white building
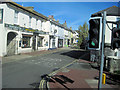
{"x": 24, "y": 30}
{"x": 58, "y": 34}
{"x": 21, "y": 30}
{"x": 75, "y": 37}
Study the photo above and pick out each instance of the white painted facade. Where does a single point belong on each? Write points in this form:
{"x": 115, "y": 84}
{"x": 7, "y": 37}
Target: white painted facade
{"x": 3, "y": 31}
{"x": 108, "y": 32}
{"x": 24, "y": 39}
{"x": 66, "y": 38}
{"x": 61, "y": 33}
{"x": 75, "y": 37}
{"x": 23, "y": 21}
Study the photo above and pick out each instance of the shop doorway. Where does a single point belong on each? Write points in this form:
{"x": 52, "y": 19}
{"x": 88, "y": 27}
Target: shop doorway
{"x": 60, "y": 43}
{"x": 68, "y": 42}
{"x": 52, "y": 42}
{"x": 34, "y": 43}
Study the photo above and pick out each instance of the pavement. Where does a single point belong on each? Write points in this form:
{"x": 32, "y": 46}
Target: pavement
{"x": 79, "y": 75}
{"x": 13, "y": 58}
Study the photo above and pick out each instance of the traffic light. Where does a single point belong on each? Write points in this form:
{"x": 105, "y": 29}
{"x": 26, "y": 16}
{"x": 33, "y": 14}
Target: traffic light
{"x": 95, "y": 33}
{"x": 115, "y": 39}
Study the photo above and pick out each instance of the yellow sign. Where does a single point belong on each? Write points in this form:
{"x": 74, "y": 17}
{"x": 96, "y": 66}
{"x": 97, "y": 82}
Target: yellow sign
{"x": 30, "y": 30}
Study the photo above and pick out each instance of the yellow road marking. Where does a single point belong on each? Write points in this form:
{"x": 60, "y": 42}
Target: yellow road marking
{"x": 42, "y": 81}
{"x": 63, "y": 67}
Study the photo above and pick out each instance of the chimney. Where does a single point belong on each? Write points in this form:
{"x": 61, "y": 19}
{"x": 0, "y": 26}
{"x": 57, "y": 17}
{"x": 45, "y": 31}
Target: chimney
{"x": 51, "y": 17}
{"x": 70, "y": 28}
{"x": 57, "y": 21}
{"x": 65, "y": 24}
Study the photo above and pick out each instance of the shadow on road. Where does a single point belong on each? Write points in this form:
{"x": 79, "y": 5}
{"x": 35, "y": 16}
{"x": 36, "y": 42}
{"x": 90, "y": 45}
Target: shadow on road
{"x": 61, "y": 79}
{"x": 78, "y": 54}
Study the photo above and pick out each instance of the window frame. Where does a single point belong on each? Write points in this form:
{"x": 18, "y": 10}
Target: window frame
{"x": 28, "y": 39}
{"x": 40, "y": 43}
{"x": 16, "y": 17}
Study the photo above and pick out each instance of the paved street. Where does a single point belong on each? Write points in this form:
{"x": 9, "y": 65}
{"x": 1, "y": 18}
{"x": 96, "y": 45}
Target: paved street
{"x": 25, "y": 71}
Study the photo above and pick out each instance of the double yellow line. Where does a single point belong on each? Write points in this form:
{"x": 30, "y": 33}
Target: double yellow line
{"x": 41, "y": 85}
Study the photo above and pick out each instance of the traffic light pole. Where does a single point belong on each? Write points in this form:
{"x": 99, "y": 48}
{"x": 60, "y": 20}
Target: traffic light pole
{"x": 102, "y": 51}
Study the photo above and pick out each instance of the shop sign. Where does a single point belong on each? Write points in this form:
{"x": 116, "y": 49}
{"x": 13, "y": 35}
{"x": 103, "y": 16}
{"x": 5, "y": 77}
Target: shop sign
{"x": 30, "y": 29}
{"x": 14, "y": 27}
{"x": 17, "y": 27}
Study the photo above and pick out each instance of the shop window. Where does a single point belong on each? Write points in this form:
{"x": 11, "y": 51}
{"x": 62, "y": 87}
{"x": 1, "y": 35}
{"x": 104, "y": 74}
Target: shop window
{"x": 26, "y": 42}
{"x": 53, "y": 42}
{"x": 40, "y": 42}
{"x": 65, "y": 41}
{"x": 71, "y": 40}
{"x": 118, "y": 19}
{"x": 60, "y": 43}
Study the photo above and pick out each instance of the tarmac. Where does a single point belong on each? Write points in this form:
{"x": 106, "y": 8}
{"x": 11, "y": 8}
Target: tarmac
{"x": 13, "y": 58}
{"x": 78, "y": 75}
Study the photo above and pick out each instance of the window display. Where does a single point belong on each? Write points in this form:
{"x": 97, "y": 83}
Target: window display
{"x": 40, "y": 41}
{"x": 26, "y": 42}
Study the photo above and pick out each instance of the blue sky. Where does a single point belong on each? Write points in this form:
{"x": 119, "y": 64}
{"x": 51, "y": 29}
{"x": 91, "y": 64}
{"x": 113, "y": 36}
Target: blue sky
{"x": 75, "y": 13}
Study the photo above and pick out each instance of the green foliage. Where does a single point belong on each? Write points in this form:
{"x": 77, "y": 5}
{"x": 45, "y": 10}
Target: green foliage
{"x": 83, "y": 33}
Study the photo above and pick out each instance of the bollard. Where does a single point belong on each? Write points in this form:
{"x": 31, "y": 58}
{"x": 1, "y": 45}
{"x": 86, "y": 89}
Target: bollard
{"x": 103, "y": 78}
